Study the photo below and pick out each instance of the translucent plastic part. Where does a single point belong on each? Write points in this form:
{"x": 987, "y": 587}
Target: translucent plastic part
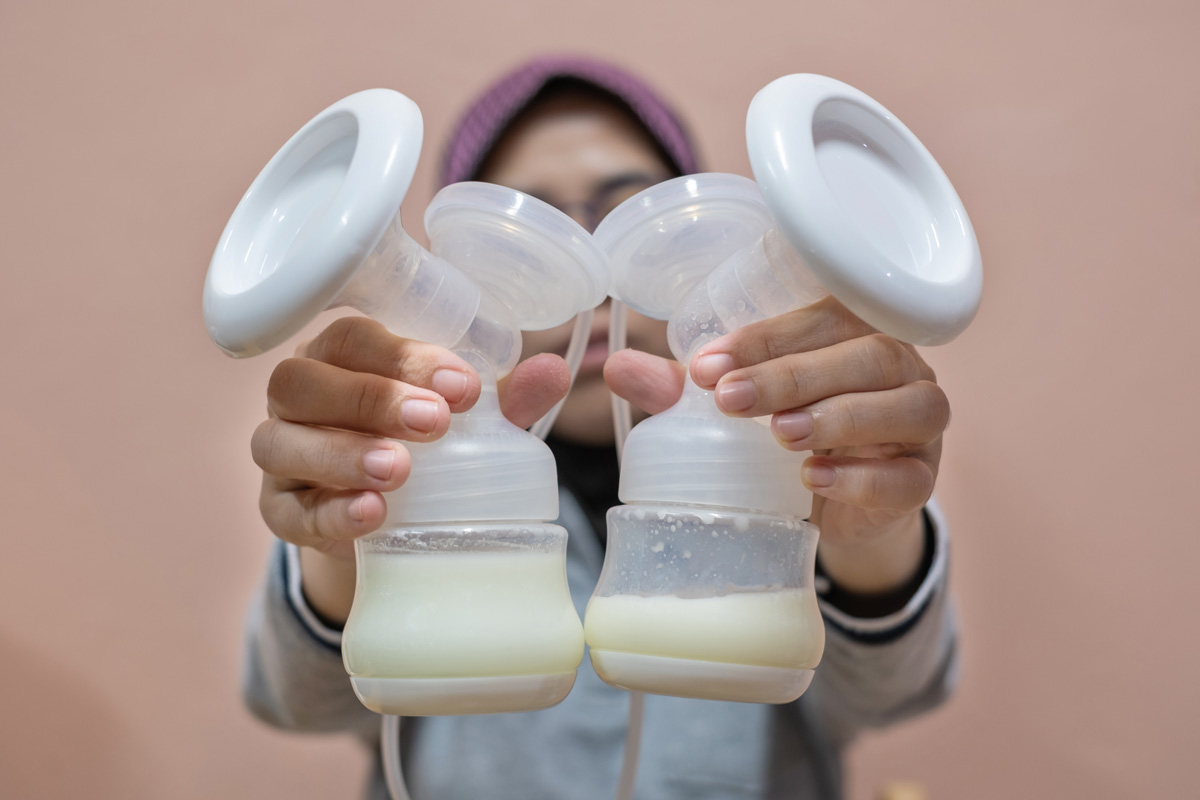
{"x": 721, "y": 596}
{"x": 431, "y": 697}
{"x": 622, "y": 416}
{"x": 692, "y": 454}
{"x": 419, "y": 296}
{"x": 703, "y": 680}
{"x": 576, "y": 348}
{"x": 762, "y": 280}
{"x": 691, "y": 224}
{"x": 702, "y": 251}
{"x": 527, "y": 256}
{"x": 389, "y": 745}
{"x": 483, "y": 468}
{"x": 622, "y": 412}
{"x": 454, "y": 620}
{"x": 728, "y": 269}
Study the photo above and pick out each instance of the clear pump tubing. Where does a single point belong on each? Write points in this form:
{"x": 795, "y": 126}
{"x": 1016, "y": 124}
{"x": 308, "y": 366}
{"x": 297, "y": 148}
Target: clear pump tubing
{"x": 575, "y": 350}
{"x": 389, "y": 743}
{"x": 622, "y": 424}
{"x": 633, "y": 746}
{"x": 394, "y": 775}
{"x": 622, "y": 413}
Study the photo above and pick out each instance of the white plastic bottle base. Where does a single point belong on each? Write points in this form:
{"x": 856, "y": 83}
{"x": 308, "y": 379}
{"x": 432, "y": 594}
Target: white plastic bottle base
{"x": 432, "y": 697}
{"x": 705, "y": 680}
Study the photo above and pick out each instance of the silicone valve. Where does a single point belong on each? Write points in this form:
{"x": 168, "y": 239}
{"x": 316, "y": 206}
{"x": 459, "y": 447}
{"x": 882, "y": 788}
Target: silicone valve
{"x": 309, "y": 219}
{"x": 866, "y": 206}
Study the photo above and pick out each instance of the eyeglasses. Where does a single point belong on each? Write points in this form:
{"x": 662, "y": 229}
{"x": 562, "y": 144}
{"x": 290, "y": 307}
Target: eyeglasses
{"x": 605, "y": 196}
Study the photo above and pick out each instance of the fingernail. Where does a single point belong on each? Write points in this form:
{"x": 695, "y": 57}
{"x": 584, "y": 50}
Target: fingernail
{"x": 818, "y": 476}
{"x": 450, "y": 384}
{"x": 419, "y": 415}
{"x": 356, "y": 508}
{"x": 378, "y": 463}
{"x": 736, "y": 395}
{"x": 710, "y": 368}
{"x": 794, "y": 425}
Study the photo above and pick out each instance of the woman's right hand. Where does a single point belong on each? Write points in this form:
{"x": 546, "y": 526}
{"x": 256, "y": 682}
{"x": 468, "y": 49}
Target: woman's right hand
{"x": 330, "y": 448}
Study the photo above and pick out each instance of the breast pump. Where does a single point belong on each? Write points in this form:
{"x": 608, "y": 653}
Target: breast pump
{"x": 461, "y": 604}
{"x": 707, "y": 587}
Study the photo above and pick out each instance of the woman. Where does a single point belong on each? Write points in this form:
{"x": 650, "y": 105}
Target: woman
{"x": 583, "y": 136}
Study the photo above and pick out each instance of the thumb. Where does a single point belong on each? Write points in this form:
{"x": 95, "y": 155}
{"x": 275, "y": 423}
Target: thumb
{"x": 533, "y": 387}
{"x": 651, "y": 383}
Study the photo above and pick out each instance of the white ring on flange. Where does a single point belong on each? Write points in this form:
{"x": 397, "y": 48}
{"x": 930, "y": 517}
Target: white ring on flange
{"x": 867, "y": 206}
{"x": 311, "y": 216}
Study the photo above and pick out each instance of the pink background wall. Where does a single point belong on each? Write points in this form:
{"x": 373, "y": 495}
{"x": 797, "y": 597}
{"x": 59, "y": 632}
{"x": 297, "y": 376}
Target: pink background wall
{"x": 131, "y": 538}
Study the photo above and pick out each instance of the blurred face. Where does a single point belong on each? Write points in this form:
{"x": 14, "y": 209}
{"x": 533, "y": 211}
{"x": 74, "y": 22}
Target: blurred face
{"x": 585, "y": 157}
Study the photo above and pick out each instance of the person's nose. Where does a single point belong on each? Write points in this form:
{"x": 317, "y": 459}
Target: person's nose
{"x": 581, "y": 213}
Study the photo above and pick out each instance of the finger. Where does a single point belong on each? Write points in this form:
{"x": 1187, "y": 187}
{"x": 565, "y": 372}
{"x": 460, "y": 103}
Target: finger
{"x": 359, "y": 344}
{"x": 533, "y": 387}
{"x": 305, "y": 455}
{"x": 315, "y": 393}
{"x": 882, "y": 484}
{"x": 813, "y": 327}
{"x": 649, "y": 382}
{"x": 869, "y": 363}
{"x": 910, "y": 415}
{"x": 322, "y": 518}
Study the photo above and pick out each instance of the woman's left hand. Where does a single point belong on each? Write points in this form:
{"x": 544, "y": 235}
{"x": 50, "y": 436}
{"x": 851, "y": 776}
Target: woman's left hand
{"x": 866, "y": 405}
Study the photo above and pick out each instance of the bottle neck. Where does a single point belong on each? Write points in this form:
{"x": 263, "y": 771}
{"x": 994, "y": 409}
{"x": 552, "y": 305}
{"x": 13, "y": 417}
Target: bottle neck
{"x": 694, "y": 455}
{"x": 484, "y": 469}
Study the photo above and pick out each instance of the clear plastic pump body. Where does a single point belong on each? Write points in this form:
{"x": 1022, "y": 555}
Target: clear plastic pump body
{"x": 707, "y": 584}
{"x": 849, "y": 201}
{"x": 698, "y": 602}
{"x": 462, "y": 620}
{"x": 468, "y": 536}
{"x": 461, "y": 603}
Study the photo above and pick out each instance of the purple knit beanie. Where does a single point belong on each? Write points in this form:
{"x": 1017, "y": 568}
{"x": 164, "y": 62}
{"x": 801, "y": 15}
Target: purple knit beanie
{"x": 487, "y": 119}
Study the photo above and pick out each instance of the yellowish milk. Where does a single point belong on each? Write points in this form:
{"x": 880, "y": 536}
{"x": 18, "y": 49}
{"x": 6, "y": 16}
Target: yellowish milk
{"x": 767, "y": 629}
{"x": 462, "y": 615}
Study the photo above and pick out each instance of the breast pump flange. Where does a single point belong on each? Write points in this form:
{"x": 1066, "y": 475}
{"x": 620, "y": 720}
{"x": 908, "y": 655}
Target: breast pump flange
{"x": 707, "y": 587}
{"x": 461, "y": 603}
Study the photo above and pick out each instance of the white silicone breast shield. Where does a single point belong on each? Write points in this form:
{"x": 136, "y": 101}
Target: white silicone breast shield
{"x": 309, "y": 219}
{"x": 866, "y": 206}
{"x": 320, "y": 228}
